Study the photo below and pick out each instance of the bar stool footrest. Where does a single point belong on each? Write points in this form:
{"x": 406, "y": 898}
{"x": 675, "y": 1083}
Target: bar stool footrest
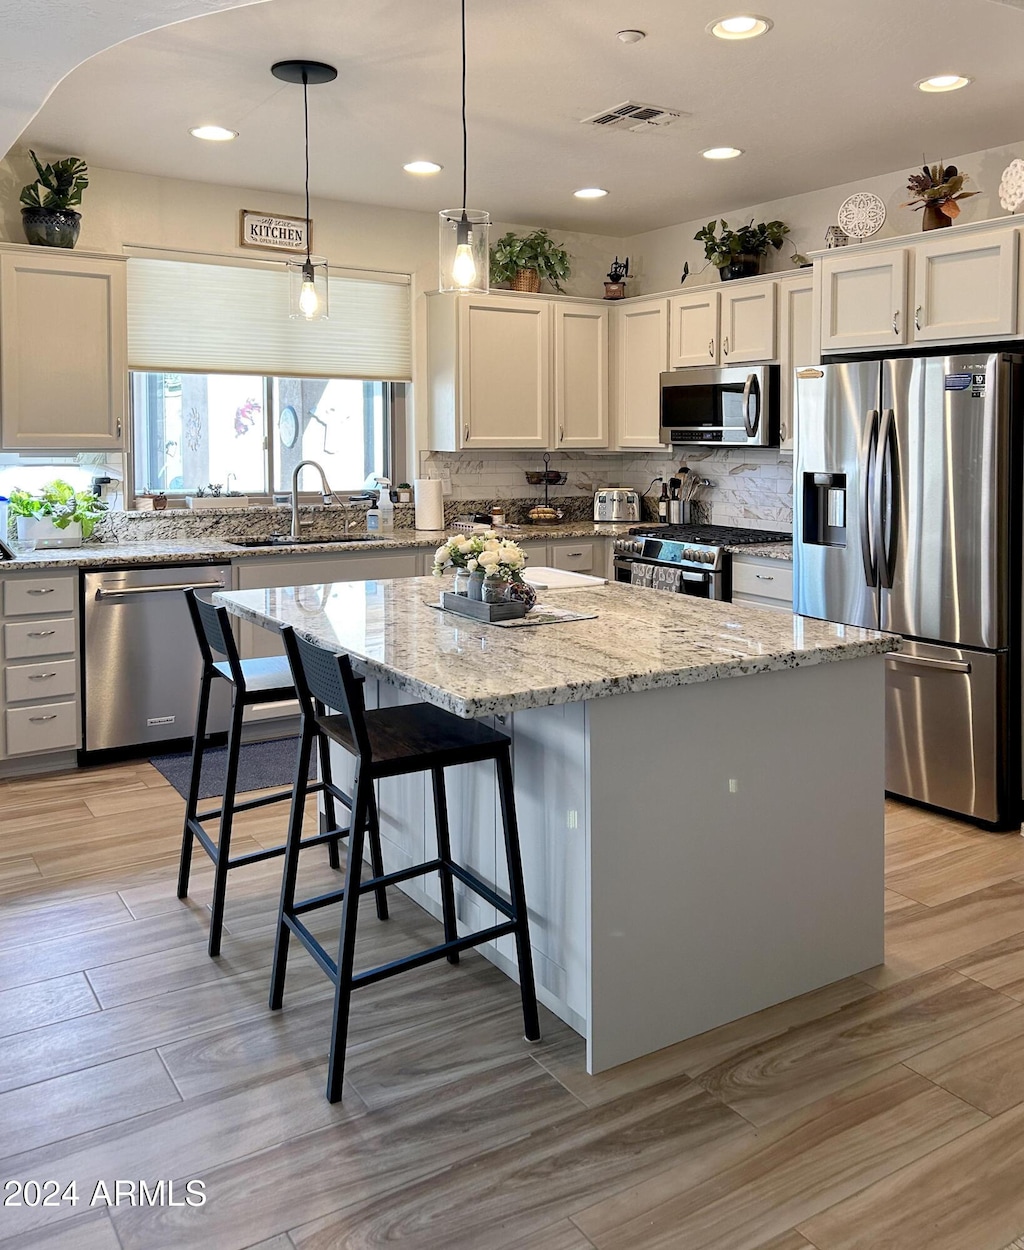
{"x": 373, "y": 883}
{"x": 265, "y": 800}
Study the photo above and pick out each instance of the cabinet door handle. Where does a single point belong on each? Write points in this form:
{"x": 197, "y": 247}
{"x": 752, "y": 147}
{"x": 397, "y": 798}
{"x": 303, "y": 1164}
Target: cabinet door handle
{"x": 917, "y": 318}
{"x": 725, "y": 345}
{"x": 561, "y": 433}
{"x": 782, "y": 433}
{"x": 465, "y": 434}
{"x": 41, "y": 633}
{"x": 41, "y": 676}
{"x": 47, "y": 590}
{"x": 37, "y": 719}
{"x": 711, "y": 348}
{"x": 118, "y": 427}
{"x": 896, "y": 322}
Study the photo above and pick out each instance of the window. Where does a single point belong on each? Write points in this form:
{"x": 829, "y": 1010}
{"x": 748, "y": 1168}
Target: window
{"x": 248, "y": 432}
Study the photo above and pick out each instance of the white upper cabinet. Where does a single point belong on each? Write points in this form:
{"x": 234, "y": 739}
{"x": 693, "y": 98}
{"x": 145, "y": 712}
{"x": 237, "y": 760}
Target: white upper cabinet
{"x": 694, "y": 319}
{"x": 863, "y": 299}
{"x": 517, "y": 371}
{"x": 640, "y": 356}
{"x": 797, "y": 346}
{"x": 63, "y": 351}
{"x": 747, "y": 323}
{"x": 580, "y": 376}
{"x": 965, "y": 286}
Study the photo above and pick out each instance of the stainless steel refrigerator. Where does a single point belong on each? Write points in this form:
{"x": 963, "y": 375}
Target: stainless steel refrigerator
{"x": 907, "y": 518}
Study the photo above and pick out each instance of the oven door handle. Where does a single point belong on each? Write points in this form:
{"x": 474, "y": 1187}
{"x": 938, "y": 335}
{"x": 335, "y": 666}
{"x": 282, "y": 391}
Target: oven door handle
{"x": 687, "y": 576}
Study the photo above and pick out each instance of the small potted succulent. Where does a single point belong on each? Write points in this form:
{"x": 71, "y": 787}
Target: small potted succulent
{"x": 738, "y": 253}
{"x": 404, "y": 492}
{"x": 615, "y": 287}
{"x": 524, "y": 261}
{"x": 57, "y": 516}
{"x": 936, "y": 189}
{"x": 48, "y": 216}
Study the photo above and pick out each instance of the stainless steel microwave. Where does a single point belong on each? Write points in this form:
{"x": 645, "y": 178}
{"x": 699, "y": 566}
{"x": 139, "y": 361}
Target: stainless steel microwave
{"x": 732, "y": 407}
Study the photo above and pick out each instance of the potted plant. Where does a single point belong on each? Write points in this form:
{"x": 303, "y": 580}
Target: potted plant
{"x": 936, "y": 189}
{"x": 738, "y": 253}
{"x": 527, "y": 260}
{"x": 404, "y": 492}
{"x": 48, "y": 216}
{"x": 58, "y": 516}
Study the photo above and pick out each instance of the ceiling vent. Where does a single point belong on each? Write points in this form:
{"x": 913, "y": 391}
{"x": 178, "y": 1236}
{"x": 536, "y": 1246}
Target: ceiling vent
{"x": 635, "y": 117}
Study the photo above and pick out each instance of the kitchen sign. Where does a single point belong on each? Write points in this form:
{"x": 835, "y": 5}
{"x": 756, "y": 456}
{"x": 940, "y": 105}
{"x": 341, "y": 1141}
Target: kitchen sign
{"x": 279, "y": 234}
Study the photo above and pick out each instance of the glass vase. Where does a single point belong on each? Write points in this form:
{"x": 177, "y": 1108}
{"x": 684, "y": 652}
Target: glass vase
{"x": 461, "y": 584}
{"x": 494, "y": 588}
{"x": 476, "y": 585}
{"x": 521, "y": 592}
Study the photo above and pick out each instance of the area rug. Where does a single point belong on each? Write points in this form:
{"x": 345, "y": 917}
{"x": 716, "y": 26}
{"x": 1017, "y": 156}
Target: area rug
{"x": 260, "y": 765}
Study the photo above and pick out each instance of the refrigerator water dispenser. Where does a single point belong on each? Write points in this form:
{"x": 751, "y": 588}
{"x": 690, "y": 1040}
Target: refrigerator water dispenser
{"x": 824, "y": 511}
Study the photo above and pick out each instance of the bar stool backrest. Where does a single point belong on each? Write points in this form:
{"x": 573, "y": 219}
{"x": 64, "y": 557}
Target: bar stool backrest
{"x": 213, "y": 633}
{"x": 328, "y": 678}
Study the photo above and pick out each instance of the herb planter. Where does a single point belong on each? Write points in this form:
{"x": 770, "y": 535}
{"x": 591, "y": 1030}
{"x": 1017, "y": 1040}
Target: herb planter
{"x": 43, "y": 532}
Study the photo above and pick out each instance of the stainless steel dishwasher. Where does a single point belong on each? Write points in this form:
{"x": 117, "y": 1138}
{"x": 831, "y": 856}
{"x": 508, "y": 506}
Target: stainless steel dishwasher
{"x": 142, "y": 665}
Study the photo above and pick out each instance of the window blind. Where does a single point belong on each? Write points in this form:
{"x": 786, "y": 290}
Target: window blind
{"x": 210, "y": 318}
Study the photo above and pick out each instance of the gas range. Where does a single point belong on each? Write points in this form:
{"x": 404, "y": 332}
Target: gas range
{"x": 697, "y": 551}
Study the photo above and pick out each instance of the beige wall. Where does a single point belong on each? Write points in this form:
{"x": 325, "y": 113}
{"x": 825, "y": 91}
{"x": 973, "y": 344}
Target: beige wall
{"x": 657, "y": 257}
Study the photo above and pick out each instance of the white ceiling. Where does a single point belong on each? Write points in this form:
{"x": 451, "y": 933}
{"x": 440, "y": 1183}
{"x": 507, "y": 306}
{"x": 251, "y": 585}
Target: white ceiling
{"x": 827, "y": 97}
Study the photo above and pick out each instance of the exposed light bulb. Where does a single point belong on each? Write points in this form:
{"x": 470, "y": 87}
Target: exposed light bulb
{"x": 309, "y": 300}
{"x": 464, "y": 266}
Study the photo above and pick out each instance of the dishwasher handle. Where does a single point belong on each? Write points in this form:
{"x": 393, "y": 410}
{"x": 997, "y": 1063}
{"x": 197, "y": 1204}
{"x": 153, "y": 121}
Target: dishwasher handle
{"x": 155, "y": 590}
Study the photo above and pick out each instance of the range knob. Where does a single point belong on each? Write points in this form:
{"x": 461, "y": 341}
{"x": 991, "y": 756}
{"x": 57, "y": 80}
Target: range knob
{"x": 708, "y": 557}
{"x": 689, "y": 554}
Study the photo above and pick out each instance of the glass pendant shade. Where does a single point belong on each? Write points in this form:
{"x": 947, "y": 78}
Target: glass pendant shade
{"x": 307, "y": 288}
{"x": 465, "y": 257}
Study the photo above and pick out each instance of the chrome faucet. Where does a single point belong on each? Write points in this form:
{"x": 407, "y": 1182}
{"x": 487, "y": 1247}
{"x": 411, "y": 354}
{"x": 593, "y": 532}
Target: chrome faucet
{"x": 328, "y": 494}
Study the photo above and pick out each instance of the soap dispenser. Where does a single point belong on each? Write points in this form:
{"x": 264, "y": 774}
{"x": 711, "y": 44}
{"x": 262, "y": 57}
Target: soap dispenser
{"x": 385, "y": 507}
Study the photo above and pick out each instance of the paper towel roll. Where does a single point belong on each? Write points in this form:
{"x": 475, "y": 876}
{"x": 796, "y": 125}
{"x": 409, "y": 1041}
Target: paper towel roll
{"x": 429, "y": 503}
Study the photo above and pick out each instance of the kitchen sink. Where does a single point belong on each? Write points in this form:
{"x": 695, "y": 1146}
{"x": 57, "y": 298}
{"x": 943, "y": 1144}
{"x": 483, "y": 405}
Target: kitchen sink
{"x": 286, "y": 540}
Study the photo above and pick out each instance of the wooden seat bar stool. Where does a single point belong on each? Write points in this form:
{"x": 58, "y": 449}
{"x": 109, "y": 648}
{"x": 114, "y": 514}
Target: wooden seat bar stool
{"x": 254, "y": 681}
{"x": 391, "y": 742}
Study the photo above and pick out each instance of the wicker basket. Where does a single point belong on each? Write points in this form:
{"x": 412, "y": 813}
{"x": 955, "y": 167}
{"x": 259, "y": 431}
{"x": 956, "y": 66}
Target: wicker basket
{"x": 526, "y": 280}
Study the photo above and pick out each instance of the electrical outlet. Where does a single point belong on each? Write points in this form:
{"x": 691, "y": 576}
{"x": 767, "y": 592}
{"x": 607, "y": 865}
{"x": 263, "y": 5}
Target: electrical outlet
{"x": 446, "y": 484}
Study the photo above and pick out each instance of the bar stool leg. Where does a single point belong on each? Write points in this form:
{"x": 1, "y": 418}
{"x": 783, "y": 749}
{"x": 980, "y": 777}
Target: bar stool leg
{"x": 347, "y": 944}
{"x": 192, "y": 802}
{"x": 293, "y": 843}
{"x": 330, "y": 805}
{"x": 227, "y": 815}
{"x": 376, "y": 856}
{"x": 531, "y": 1019}
{"x": 444, "y": 854}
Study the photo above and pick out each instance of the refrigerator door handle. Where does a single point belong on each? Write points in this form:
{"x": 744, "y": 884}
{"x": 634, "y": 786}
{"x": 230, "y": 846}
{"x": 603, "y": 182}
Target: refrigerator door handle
{"x": 751, "y": 391}
{"x": 885, "y": 458}
{"x": 867, "y": 543}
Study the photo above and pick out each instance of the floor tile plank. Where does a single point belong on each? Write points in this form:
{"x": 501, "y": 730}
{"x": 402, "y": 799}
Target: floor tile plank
{"x": 983, "y": 1066}
{"x": 45, "y": 1002}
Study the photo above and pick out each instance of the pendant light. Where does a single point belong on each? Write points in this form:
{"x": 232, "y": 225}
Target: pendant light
{"x": 307, "y": 279}
{"x": 464, "y": 253}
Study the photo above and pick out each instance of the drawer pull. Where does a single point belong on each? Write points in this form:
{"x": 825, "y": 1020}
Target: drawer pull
{"x": 764, "y": 577}
{"x": 41, "y": 633}
{"x": 36, "y": 719}
{"x": 41, "y": 676}
{"x": 46, "y": 590}
{"x": 574, "y": 555}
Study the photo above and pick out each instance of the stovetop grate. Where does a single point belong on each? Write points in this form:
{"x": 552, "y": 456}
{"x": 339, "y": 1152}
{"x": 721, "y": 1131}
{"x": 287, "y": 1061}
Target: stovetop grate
{"x": 712, "y": 535}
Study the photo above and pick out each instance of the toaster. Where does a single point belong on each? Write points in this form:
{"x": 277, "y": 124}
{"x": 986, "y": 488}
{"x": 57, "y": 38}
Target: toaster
{"x": 615, "y": 503}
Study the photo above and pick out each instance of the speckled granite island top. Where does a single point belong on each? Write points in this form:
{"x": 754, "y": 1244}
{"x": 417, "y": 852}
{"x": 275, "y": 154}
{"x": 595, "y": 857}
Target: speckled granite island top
{"x": 640, "y": 640}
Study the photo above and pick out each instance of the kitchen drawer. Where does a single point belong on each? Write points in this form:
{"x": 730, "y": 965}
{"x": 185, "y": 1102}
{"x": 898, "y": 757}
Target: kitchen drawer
{"x": 54, "y": 679}
{"x": 575, "y": 557}
{"x": 30, "y": 595}
{"x": 768, "y": 579}
{"x": 23, "y": 640}
{"x": 46, "y": 727}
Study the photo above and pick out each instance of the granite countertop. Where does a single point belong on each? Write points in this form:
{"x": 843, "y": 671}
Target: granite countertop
{"x": 190, "y": 550}
{"x": 765, "y": 551}
{"x": 640, "y": 640}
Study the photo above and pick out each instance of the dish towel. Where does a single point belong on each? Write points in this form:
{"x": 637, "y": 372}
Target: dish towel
{"x": 667, "y": 579}
{"x": 641, "y": 575}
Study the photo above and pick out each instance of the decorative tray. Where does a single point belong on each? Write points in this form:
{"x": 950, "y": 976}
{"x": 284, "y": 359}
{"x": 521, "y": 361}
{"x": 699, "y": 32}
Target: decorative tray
{"x": 480, "y": 611}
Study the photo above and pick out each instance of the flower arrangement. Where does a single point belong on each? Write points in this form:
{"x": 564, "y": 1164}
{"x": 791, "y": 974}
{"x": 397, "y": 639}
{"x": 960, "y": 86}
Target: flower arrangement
{"x": 484, "y": 552}
{"x": 938, "y": 187}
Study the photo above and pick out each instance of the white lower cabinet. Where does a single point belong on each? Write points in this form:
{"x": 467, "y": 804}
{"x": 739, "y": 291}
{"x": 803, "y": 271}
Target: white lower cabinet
{"x": 575, "y": 557}
{"x": 40, "y": 700}
{"x": 762, "y": 583}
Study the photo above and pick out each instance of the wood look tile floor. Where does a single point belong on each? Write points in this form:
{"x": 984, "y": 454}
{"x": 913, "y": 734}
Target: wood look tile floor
{"x": 885, "y": 1112}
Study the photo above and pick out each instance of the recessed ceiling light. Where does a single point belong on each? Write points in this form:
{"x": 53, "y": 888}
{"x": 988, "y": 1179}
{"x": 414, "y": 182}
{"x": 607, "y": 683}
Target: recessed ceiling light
{"x": 216, "y": 134}
{"x": 590, "y": 193}
{"x": 631, "y": 36}
{"x": 944, "y": 82}
{"x": 423, "y": 167}
{"x": 746, "y": 26}
{"x": 721, "y": 154}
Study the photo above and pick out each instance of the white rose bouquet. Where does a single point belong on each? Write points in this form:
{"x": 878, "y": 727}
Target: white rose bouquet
{"x": 485, "y": 552}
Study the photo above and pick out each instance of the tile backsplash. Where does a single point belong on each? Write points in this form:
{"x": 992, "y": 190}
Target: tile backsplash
{"x": 753, "y": 487}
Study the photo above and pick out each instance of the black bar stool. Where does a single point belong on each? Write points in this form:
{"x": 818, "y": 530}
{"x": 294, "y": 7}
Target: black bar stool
{"x": 254, "y": 682}
{"x": 390, "y": 742}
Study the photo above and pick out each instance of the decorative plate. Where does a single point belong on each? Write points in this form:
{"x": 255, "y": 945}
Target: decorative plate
{"x": 862, "y": 215}
{"x": 1011, "y": 189}
{"x": 289, "y": 426}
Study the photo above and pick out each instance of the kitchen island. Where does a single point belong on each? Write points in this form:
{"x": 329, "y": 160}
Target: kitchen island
{"x": 695, "y": 848}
